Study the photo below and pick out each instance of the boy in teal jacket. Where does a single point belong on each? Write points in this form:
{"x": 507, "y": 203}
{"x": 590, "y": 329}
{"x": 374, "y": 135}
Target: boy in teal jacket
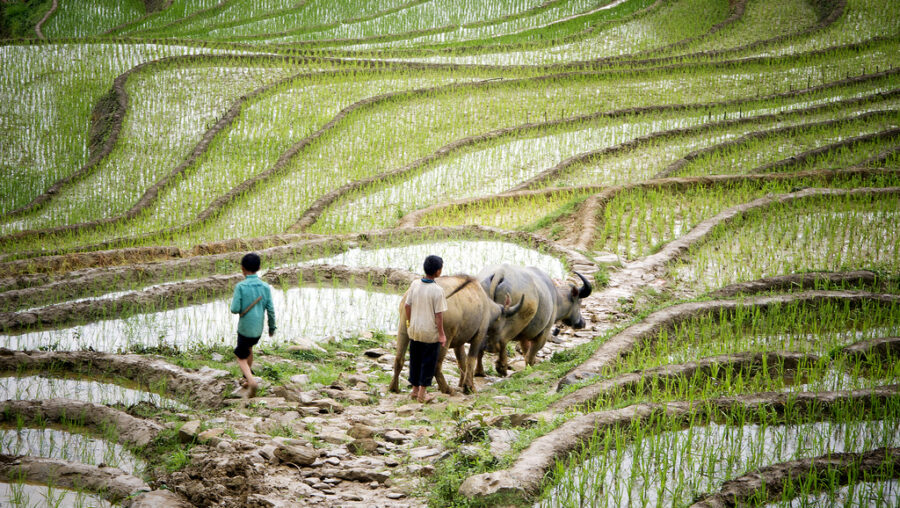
{"x": 252, "y": 298}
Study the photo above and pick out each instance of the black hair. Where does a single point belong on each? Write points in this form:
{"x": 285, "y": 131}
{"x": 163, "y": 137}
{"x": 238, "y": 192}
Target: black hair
{"x": 433, "y": 264}
{"x": 251, "y": 262}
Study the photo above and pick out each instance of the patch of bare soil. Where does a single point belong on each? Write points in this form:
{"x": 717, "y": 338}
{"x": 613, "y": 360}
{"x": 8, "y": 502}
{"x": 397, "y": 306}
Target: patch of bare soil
{"x": 769, "y": 482}
{"x": 800, "y": 281}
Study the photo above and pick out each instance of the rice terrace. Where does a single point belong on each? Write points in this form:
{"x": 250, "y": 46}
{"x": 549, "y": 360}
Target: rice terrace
{"x": 712, "y": 185}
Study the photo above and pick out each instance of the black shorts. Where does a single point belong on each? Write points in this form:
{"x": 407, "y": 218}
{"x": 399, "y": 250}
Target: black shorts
{"x": 244, "y": 344}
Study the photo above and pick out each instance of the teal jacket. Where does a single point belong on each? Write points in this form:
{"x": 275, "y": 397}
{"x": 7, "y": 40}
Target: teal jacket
{"x": 245, "y": 292}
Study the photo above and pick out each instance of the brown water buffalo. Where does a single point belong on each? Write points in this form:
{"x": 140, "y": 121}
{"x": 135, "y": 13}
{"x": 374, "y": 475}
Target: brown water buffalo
{"x": 542, "y": 302}
{"x": 469, "y": 315}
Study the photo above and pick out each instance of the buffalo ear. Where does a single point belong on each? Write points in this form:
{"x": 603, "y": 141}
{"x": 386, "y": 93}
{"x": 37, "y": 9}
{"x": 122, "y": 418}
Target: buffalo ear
{"x": 574, "y": 292}
{"x": 506, "y": 303}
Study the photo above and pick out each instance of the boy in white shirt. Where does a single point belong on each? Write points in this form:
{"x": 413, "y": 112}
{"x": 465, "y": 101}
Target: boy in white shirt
{"x": 425, "y": 305}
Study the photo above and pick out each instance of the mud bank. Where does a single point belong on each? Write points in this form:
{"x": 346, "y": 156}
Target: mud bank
{"x": 111, "y": 483}
{"x": 525, "y": 476}
{"x": 131, "y": 430}
{"x": 800, "y": 281}
{"x": 625, "y": 341}
{"x": 205, "y": 386}
{"x": 877, "y": 349}
{"x": 768, "y": 483}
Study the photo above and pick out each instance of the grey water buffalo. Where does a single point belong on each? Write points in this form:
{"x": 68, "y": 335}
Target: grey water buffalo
{"x": 469, "y": 315}
{"x": 542, "y": 305}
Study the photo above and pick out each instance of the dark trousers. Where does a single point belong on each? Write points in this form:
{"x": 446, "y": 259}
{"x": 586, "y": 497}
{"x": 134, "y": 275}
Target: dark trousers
{"x": 422, "y": 360}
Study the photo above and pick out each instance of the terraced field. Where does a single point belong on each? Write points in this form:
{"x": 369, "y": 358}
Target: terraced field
{"x": 725, "y": 173}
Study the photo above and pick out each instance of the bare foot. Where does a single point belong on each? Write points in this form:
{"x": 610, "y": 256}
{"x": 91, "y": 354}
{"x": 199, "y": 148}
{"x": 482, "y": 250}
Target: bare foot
{"x": 425, "y": 399}
{"x": 415, "y": 394}
{"x": 251, "y": 389}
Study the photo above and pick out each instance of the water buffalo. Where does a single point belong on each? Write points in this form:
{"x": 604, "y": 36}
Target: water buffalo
{"x": 542, "y": 305}
{"x": 469, "y": 315}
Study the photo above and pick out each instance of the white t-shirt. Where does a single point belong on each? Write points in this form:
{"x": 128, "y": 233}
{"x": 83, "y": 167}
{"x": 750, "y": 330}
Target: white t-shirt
{"x": 426, "y": 299}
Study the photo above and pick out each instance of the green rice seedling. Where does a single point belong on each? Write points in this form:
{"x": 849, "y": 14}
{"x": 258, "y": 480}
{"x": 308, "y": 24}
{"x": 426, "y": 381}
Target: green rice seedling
{"x": 179, "y": 9}
{"x": 82, "y": 19}
{"x": 793, "y": 327}
{"x": 34, "y": 387}
{"x": 19, "y": 494}
{"x": 838, "y": 233}
{"x": 391, "y": 146}
{"x": 504, "y": 213}
{"x": 761, "y": 20}
{"x": 655, "y": 28}
{"x": 182, "y": 325}
{"x": 64, "y": 82}
{"x": 862, "y": 20}
{"x": 170, "y": 109}
{"x": 635, "y": 223}
{"x": 655, "y": 156}
{"x": 481, "y": 170}
{"x": 68, "y": 445}
{"x": 745, "y": 157}
{"x": 536, "y": 26}
{"x": 628, "y": 466}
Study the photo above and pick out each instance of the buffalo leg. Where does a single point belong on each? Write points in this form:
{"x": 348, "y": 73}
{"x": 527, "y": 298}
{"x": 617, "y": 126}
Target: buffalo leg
{"x": 535, "y": 346}
{"x": 460, "y": 353}
{"x": 501, "y": 364}
{"x": 479, "y": 367}
{"x": 402, "y": 344}
{"x": 439, "y": 372}
{"x": 473, "y": 361}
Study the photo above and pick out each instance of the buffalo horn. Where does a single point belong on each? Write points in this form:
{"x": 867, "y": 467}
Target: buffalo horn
{"x": 585, "y": 290}
{"x": 509, "y": 311}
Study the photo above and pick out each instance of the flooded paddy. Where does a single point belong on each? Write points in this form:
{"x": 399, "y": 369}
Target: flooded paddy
{"x": 25, "y": 495}
{"x": 312, "y": 313}
{"x": 672, "y": 468}
{"x": 858, "y": 494}
{"x": 59, "y": 444}
{"x": 38, "y": 387}
{"x": 460, "y": 256}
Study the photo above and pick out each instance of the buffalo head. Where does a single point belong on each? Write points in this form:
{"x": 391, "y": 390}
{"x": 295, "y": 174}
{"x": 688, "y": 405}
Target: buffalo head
{"x": 570, "y": 313}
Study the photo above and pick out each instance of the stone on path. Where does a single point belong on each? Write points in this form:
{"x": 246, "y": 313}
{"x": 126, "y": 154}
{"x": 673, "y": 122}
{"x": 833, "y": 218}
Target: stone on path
{"x": 188, "y": 432}
{"x": 299, "y": 455}
{"x": 501, "y": 441}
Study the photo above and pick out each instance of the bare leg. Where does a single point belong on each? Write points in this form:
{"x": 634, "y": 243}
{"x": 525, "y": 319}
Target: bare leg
{"x": 248, "y": 375}
{"x": 423, "y": 398}
{"x": 439, "y": 375}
